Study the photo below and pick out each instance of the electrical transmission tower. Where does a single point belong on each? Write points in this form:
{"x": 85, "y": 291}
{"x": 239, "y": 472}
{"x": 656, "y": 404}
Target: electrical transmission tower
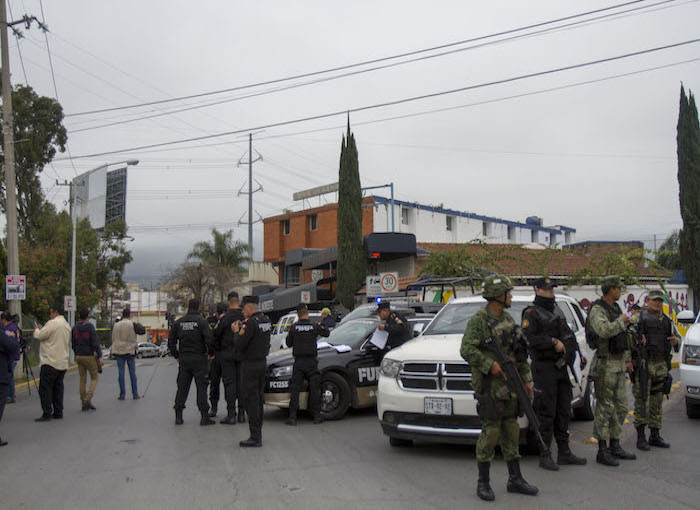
{"x": 251, "y": 159}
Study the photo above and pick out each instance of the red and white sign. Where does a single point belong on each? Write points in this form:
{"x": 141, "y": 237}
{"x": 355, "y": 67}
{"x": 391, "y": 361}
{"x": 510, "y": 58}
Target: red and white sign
{"x": 389, "y": 282}
{"x": 15, "y": 287}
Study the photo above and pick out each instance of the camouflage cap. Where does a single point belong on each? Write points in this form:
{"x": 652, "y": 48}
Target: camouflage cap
{"x": 656, "y": 294}
{"x": 496, "y": 285}
{"x": 611, "y": 281}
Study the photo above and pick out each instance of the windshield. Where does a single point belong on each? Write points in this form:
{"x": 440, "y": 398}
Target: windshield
{"x": 453, "y": 319}
{"x": 361, "y": 312}
{"x": 352, "y": 333}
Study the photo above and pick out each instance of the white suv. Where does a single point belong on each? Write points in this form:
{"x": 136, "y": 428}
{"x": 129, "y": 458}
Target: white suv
{"x": 425, "y": 391}
{"x": 690, "y": 365}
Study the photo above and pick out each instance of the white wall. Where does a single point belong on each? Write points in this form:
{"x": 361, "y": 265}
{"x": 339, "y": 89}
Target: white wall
{"x": 431, "y": 227}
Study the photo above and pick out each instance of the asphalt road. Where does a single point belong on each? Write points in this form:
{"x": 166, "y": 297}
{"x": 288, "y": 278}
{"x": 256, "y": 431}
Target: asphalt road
{"x": 129, "y": 454}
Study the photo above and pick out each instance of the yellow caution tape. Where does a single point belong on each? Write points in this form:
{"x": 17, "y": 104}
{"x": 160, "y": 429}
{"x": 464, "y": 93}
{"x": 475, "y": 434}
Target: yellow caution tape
{"x": 631, "y": 413}
{"x": 592, "y": 440}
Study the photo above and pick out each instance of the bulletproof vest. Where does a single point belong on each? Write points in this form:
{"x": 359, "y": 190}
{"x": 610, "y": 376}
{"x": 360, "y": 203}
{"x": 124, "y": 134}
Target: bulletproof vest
{"x": 259, "y": 346}
{"x": 551, "y": 326}
{"x": 618, "y": 343}
{"x": 228, "y": 336}
{"x": 511, "y": 338}
{"x": 656, "y": 331}
{"x": 304, "y": 336}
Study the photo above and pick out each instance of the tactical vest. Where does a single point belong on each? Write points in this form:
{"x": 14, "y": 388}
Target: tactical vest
{"x": 656, "y": 331}
{"x": 618, "y": 343}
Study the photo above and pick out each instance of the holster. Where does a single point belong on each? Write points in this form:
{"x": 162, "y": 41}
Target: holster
{"x": 488, "y": 408}
{"x": 668, "y": 382}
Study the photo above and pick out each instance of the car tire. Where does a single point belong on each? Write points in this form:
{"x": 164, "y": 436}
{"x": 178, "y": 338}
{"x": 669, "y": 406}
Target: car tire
{"x": 398, "y": 442}
{"x": 335, "y": 396}
{"x": 587, "y": 409}
{"x": 692, "y": 409}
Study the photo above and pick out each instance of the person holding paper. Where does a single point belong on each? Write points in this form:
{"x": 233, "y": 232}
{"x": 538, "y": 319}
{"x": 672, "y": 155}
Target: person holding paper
{"x": 395, "y": 325}
{"x": 302, "y": 338}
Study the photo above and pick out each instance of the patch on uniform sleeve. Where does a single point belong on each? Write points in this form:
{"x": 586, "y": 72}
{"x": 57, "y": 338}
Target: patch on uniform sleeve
{"x": 242, "y": 330}
{"x": 526, "y": 323}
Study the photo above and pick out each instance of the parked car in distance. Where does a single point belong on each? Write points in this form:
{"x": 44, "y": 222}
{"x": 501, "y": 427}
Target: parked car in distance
{"x": 690, "y": 363}
{"x": 147, "y": 350}
{"x": 278, "y": 338}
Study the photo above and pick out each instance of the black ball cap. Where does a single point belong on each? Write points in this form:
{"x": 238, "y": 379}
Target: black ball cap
{"x": 383, "y": 306}
{"x": 544, "y": 283}
{"x": 232, "y": 295}
{"x": 250, "y": 299}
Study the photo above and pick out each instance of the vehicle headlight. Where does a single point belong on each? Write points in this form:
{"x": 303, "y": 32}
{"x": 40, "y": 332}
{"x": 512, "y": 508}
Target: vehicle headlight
{"x": 691, "y": 354}
{"x": 390, "y": 367}
{"x": 282, "y": 371}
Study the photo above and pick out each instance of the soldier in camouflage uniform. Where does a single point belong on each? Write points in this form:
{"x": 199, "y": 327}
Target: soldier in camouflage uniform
{"x": 607, "y": 327}
{"x": 654, "y": 330}
{"x": 497, "y": 406}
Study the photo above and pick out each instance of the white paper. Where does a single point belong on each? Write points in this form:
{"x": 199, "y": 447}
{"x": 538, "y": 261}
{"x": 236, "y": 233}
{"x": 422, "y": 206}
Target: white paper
{"x": 576, "y": 371}
{"x": 338, "y": 348}
{"x": 323, "y": 345}
{"x": 379, "y": 338}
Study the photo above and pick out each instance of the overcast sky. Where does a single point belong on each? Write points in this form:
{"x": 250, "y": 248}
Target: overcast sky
{"x": 600, "y": 156}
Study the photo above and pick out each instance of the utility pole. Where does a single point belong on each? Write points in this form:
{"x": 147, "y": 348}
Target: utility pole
{"x": 74, "y": 222}
{"x": 250, "y": 192}
{"x": 9, "y": 152}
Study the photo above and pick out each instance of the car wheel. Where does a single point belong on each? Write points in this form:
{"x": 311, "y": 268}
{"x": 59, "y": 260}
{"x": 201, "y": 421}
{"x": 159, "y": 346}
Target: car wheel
{"x": 692, "y": 409}
{"x": 335, "y": 396}
{"x": 398, "y": 442}
{"x": 587, "y": 410}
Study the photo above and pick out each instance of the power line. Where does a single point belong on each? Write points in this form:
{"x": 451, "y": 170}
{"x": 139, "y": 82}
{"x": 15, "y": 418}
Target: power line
{"x": 398, "y": 101}
{"x": 366, "y": 62}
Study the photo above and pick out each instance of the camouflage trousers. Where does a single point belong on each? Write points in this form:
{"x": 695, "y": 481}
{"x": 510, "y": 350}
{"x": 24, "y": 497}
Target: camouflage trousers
{"x": 649, "y": 411}
{"x": 505, "y": 432}
{"x": 611, "y": 401}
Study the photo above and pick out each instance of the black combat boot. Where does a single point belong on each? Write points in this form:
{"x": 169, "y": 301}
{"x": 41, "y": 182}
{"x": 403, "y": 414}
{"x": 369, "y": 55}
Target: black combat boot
{"x": 251, "y": 442}
{"x": 516, "y": 482}
{"x": 642, "y": 439}
{"x": 483, "y": 485}
{"x": 318, "y": 419}
{"x": 604, "y": 456}
{"x": 617, "y": 451}
{"x": 566, "y": 456}
{"x": 178, "y": 417}
{"x": 3, "y": 443}
{"x": 230, "y": 418}
{"x": 656, "y": 440}
{"x": 212, "y": 412}
{"x": 547, "y": 463}
{"x": 206, "y": 420}
{"x": 292, "y": 420}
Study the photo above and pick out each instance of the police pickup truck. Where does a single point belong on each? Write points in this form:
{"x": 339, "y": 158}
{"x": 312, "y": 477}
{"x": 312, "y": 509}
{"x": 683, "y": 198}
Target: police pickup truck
{"x": 349, "y": 367}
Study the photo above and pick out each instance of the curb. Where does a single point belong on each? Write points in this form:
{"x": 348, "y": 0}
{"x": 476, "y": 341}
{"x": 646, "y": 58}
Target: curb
{"x": 24, "y": 385}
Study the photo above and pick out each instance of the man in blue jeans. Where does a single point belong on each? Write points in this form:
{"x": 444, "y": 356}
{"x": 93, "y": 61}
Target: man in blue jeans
{"x": 124, "y": 349}
{"x": 13, "y": 334}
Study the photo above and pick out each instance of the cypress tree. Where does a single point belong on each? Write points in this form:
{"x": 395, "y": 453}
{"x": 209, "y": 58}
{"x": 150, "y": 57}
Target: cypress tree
{"x": 352, "y": 262}
{"x": 688, "y": 139}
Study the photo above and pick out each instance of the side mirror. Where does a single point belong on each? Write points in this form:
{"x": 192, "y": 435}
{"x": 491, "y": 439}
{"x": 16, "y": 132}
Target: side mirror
{"x": 686, "y": 317}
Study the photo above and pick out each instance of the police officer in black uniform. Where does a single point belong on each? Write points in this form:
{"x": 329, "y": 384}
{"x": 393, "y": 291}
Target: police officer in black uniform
{"x": 394, "y": 324}
{"x": 252, "y": 343}
{"x": 190, "y": 343}
{"x": 230, "y": 364}
{"x": 302, "y": 339}
{"x": 215, "y": 364}
{"x": 552, "y": 346}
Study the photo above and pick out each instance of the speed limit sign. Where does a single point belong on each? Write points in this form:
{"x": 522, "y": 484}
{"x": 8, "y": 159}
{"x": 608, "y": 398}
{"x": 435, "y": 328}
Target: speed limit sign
{"x": 389, "y": 282}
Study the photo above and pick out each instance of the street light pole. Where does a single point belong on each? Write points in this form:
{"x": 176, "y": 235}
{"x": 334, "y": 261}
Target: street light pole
{"x": 74, "y": 217}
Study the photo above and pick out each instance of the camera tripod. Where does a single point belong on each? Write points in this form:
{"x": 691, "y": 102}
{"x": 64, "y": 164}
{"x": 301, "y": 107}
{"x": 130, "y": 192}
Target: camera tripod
{"x": 27, "y": 369}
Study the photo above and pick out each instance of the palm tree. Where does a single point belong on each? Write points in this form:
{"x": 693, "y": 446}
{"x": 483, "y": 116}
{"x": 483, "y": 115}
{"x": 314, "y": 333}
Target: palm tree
{"x": 224, "y": 257}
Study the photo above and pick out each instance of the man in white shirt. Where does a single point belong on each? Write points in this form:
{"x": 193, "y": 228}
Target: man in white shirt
{"x": 54, "y": 355}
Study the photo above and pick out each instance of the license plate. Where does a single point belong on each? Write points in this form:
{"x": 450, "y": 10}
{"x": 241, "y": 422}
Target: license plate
{"x": 437, "y": 405}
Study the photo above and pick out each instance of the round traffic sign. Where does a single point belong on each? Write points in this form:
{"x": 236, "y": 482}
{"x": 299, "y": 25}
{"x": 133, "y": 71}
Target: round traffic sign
{"x": 390, "y": 283}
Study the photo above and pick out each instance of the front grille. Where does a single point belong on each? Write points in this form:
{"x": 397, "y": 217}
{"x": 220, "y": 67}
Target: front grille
{"x": 435, "y": 376}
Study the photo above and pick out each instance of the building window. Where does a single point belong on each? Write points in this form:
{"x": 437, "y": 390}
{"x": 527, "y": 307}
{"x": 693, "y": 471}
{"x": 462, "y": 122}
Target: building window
{"x": 534, "y": 236}
{"x": 486, "y": 228}
{"x": 404, "y": 216}
{"x": 511, "y": 233}
{"x": 286, "y": 227}
{"x": 552, "y": 240}
{"x": 294, "y": 275}
{"x": 313, "y": 222}
{"x": 449, "y": 220}
{"x": 567, "y": 237}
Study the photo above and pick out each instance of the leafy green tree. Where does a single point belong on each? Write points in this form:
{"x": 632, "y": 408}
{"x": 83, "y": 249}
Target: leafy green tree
{"x": 688, "y": 140}
{"x": 222, "y": 258}
{"x": 668, "y": 255}
{"x": 352, "y": 261}
{"x": 39, "y": 134}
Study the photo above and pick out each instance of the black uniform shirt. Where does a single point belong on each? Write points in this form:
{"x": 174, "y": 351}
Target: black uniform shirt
{"x": 224, "y": 336}
{"x": 252, "y": 343}
{"x": 193, "y": 334}
{"x": 302, "y": 338}
{"x": 540, "y": 325}
{"x": 399, "y": 330}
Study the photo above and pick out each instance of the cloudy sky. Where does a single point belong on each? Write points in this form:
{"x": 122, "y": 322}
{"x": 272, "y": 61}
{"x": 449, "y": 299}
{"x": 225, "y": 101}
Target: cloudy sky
{"x": 591, "y": 147}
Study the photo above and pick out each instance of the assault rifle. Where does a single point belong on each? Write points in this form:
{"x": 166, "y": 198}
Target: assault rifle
{"x": 515, "y": 384}
{"x": 642, "y": 370}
